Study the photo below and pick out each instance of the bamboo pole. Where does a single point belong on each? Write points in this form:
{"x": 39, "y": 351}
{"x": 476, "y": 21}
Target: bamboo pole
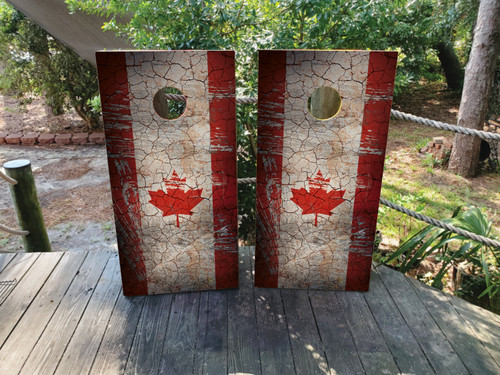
{"x": 29, "y": 213}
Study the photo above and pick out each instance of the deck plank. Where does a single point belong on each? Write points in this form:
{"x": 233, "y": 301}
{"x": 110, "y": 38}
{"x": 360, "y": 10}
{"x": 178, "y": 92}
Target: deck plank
{"x": 274, "y": 341}
{"x": 212, "y": 342}
{"x": 52, "y": 344}
{"x": 91, "y": 326}
{"x": 17, "y": 349}
{"x": 398, "y": 336}
{"x": 243, "y": 342}
{"x": 468, "y": 347}
{"x": 482, "y": 322}
{"x": 83, "y": 346}
{"x": 370, "y": 344}
{"x": 28, "y": 286}
{"x": 146, "y": 351}
{"x": 179, "y": 348}
{"x": 340, "y": 350}
{"x": 306, "y": 344}
{"x": 436, "y": 347}
{"x": 5, "y": 259}
{"x": 116, "y": 344}
{"x": 11, "y": 272}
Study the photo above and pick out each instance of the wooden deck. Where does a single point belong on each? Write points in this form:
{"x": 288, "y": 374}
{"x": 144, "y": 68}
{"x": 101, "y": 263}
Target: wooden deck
{"x": 63, "y": 313}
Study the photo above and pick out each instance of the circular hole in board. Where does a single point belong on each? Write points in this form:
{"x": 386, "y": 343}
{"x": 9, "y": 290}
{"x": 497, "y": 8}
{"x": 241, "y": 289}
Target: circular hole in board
{"x": 171, "y": 107}
{"x": 324, "y": 103}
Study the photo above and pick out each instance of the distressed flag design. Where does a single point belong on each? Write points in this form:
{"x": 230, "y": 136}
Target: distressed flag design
{"x": 319, "y": 180}
{"x": 173, "y": 181}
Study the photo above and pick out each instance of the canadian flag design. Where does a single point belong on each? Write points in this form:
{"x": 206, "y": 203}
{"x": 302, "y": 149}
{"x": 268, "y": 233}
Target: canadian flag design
{"x": 319, "y": 175}
{"x": 173, "y": 178}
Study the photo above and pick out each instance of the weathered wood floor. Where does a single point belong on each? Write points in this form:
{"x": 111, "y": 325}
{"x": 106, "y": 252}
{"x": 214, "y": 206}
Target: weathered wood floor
{"x": 66, "y": 315}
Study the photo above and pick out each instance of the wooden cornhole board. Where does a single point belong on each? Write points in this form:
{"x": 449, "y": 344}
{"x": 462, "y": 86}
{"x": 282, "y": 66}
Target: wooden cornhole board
{"x": 173, "y": 181}
{"x": 319, "y": 177}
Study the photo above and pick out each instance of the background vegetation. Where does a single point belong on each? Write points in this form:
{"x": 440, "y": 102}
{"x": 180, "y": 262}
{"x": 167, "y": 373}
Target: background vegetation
{"x": 32, "y": 63}
{"x": 433, "y": 38}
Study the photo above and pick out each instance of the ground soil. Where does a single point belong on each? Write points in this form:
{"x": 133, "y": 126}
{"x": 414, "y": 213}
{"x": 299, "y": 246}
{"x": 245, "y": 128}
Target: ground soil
{"x": 435, "y": 102}
{"x": 33, "y": 116}
{"x": 62, "y": 169}
{"x": 73, "y": 190}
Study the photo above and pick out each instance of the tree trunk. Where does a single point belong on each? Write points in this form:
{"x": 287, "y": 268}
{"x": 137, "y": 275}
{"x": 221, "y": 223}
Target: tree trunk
{"x": 479, "y": 72}
{"x": 449, "y": 62}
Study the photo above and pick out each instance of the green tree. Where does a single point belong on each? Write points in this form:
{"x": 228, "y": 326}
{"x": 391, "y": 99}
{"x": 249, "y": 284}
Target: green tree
{"x": 422, "y": 31}
{"x": 414, "y": 28}
{"x": 36, "y": 63}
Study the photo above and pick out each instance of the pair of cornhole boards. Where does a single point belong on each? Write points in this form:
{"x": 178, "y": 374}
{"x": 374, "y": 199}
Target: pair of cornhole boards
{"x": 322, "y": 130}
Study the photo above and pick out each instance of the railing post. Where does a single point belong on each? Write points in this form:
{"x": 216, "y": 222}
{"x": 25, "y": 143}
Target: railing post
{"x": 29, "y": 213}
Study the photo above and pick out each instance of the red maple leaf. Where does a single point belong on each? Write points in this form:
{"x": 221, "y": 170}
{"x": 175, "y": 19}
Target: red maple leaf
{"x": 318, "y": 200}
{"x": 178, "y": 200}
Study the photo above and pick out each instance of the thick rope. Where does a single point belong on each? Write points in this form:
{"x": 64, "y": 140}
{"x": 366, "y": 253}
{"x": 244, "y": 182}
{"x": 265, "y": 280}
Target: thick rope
{"x": 416, "y": 215}
{"x": 445, "y": 126}
{"x": 239, "y": 99}
{"x": 247, "y": 180}
{"x": 3, "y": 227}
{"x": 10, "y": 180}
{"x": 245, "y": 99}
{"x": 176, "y": 97}
{"x": 14, "y": 231}
{"x": 394, "y": 113}
{"x": 429, "y": 220}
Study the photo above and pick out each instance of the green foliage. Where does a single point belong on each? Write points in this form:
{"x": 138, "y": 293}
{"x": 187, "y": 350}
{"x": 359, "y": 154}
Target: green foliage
{"x": 450, "y": 249}
{"x": 410, "y": 27}
{"x": 430, "y": 162}
{"x": 392, "y": 221}
{"x": 34, "y": 63}
{"x": 421, "y": 143}
{"x": 247, "y": 156}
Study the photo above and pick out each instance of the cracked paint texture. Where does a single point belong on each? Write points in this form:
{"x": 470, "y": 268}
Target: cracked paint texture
{"x": 318, "y": 181}
{"x": 184, "y": 170}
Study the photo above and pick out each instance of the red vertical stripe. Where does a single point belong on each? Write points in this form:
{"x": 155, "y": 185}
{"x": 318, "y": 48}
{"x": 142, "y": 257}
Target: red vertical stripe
{"x": 271, "y": 118}
{"x": 377, "y": 111}
{"x": 113, "y": 84}
{"x": 221, "y": 88}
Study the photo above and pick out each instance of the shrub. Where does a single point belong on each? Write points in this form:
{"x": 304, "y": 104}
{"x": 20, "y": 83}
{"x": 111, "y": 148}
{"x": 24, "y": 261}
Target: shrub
{"x": 450, "y": 249}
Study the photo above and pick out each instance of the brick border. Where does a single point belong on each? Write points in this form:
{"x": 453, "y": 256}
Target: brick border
{"x": 95, "y": 138}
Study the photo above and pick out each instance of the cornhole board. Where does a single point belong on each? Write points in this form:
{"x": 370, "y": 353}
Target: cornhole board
{"x": 173, "y": 181}
{"x": 319, "y": 180}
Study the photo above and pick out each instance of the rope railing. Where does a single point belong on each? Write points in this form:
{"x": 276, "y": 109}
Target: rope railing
{"x": 437, "y": 223}
{"x": 239, "y": 99}
{"x": 418, "y": 120}
{"x": 10, "y": 180}
{"x": 17, "y": 232}
{"x": 429, "y": 220}
{"x": 394, "y": 113}
{"x": 445, "y": 126}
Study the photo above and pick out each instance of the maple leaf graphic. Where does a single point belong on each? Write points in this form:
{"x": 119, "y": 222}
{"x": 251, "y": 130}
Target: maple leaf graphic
{"x": 178, "y": 200}
{"x": 318, "y": 200}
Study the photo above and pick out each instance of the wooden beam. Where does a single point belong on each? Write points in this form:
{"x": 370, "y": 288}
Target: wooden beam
{"x": 81, "y": 32}
{"x": 29, "y": 213}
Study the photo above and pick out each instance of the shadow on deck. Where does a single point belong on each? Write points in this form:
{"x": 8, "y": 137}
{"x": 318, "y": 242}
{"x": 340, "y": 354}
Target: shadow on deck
{"x": 63, "y": 313}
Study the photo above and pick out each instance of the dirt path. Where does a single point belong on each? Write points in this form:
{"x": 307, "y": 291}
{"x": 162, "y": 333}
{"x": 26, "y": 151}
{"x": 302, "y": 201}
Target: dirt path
{"x": 73, "y": 189}
{"x": 35, "y": 117}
